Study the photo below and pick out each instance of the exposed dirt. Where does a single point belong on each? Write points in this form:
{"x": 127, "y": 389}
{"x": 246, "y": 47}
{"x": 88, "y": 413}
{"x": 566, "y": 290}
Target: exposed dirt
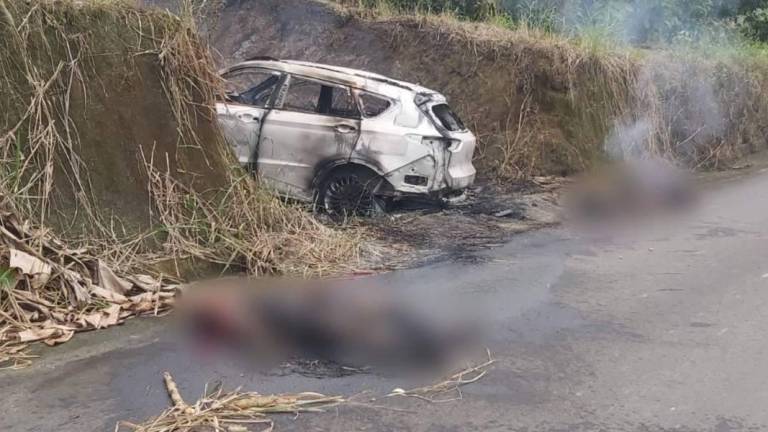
{"x": 130, "y": 121}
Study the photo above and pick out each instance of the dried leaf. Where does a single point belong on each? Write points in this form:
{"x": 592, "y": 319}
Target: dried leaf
{"x": 146, "y": 282}
{"x": 36, "y": 334}
{"x": 37, "y": 269}
{"x": 109, "y": 295}
{"x": 78, "y": 286}
{"x": 92, "y": 320}
{"x": 109, "y": 280}
{"x": 143, "y": 298}
{"x": 113, "y": 315}
{"x": 65, "y": 337}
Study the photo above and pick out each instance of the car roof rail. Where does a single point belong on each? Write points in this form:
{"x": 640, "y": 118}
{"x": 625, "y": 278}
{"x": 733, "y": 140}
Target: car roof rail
{"x": 262, "y": 58}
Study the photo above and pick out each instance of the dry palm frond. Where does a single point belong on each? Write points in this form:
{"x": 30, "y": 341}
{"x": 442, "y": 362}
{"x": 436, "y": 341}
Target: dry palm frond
{"x": 229, "y": 411}
{"x": 48, "y": 292}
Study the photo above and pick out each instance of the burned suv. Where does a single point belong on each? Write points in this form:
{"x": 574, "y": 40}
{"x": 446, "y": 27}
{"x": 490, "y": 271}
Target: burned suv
{"x": 349, "y": 140}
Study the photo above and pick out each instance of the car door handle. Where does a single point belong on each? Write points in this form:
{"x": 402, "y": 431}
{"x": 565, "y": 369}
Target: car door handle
{"x": 249, "y": 118}
{"x": 345, "y": 129}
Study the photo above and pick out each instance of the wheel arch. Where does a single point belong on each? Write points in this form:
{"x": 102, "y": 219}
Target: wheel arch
{"x": 328, "y": 168}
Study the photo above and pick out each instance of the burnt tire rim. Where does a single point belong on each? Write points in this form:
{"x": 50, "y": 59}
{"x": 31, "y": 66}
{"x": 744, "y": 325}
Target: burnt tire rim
{"x": 348, "y": 195}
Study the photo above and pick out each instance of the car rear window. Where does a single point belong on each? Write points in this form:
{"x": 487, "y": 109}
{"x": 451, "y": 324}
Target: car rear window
{"x": 448, "y": 118}
{"x": 373, "y": 105}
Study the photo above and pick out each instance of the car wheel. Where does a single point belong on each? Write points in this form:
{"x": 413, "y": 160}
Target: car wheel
{"x": 351, "y": 192}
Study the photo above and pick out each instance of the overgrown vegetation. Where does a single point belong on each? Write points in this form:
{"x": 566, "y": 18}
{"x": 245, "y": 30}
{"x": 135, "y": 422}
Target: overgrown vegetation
{"x": 113, "y": 166}
{"x": 635, "y": 21}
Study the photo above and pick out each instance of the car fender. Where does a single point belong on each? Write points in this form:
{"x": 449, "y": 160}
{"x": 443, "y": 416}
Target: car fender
{"x": 325, "y": 168}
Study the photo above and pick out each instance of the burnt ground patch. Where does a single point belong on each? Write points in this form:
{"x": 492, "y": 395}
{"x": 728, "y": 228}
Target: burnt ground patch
{"x": 420, "y": 232}
{"x": 316, "y": 369}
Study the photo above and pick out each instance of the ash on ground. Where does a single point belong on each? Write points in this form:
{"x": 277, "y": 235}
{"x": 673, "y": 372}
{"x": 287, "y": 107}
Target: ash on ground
{"x": 316, "y": 369}
{"x": 420, "y": 232}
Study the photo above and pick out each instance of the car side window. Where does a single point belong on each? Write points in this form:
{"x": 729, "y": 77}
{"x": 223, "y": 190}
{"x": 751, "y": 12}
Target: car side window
{"x": 251, "y": 86}
{"x": 342, "y": 103}
{"x": 303, "y": 95}
{"x": 319, "y": 98}
{"x": 373, "y": 105}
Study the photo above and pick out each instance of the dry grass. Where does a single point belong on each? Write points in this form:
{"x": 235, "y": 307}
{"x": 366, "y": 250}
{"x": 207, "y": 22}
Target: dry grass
{"x": 436, "y": 393}
{"x": 49, "y": 291}
{"x": 246, "y": 229}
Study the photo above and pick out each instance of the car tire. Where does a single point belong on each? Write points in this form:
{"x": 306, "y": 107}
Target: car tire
{"x": 351, "y": 191}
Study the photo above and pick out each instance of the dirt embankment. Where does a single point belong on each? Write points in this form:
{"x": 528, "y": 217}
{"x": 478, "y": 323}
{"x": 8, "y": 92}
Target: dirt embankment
{"x": 91, "y": 105}
{"x": 110, "y": 134}
{"x": 540, "y": 104}
{"x": 115, "y": 182}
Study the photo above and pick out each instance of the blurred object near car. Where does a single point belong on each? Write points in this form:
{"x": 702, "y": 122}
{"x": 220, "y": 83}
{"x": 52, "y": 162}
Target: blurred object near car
{"x": 629, "y": 190}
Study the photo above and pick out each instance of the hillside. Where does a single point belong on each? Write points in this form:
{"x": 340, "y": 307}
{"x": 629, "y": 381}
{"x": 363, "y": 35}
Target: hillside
{"x": 541, "y": 104}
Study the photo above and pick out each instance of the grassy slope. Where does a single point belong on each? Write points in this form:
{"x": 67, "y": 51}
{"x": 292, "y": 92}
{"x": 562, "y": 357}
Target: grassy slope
{"x": 543, "y": 103}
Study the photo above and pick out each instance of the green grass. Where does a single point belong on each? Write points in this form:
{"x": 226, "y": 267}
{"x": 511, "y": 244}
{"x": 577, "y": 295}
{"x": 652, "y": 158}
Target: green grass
{"x": 7, "y": 278}
{"x": 600, "y": 34}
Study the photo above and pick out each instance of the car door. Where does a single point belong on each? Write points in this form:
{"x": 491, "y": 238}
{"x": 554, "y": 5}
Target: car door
{"x": 250, "y": 92}
{"x": 312, "y": 122}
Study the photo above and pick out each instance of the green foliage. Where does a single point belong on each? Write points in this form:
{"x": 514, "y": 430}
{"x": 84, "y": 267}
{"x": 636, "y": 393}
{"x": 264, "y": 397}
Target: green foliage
{"x": 637, "y": 22}
{"x": 752, "y": 19}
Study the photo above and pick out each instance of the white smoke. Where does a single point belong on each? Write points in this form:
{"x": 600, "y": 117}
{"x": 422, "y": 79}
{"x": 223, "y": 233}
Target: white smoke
{"x": 678, "y": 113}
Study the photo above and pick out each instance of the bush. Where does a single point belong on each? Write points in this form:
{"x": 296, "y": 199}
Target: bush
{"x": 754, "y": 24}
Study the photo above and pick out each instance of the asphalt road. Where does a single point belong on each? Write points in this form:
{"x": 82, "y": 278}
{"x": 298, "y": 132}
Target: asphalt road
{"x": 660, "y": 329}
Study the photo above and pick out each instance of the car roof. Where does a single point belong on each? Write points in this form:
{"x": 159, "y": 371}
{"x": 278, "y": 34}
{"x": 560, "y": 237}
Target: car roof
{"x": 357, "y": 78}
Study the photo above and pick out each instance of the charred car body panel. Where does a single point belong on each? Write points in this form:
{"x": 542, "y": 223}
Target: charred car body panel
{"x": 296, "y": 122}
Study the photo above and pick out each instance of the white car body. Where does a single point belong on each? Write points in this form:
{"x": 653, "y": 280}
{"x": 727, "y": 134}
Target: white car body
{"x": 295, "y": 123}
